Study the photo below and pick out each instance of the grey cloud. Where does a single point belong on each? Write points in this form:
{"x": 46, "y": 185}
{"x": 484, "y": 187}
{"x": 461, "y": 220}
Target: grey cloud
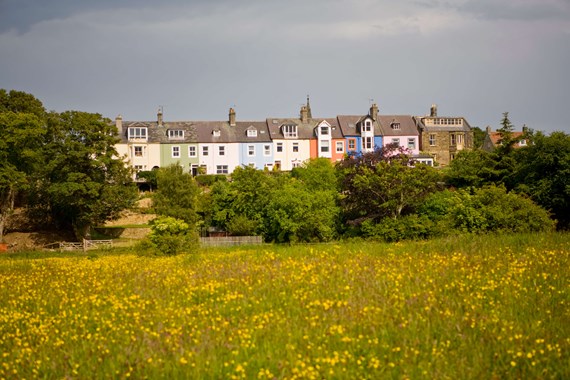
{"x": 523, "y": 10}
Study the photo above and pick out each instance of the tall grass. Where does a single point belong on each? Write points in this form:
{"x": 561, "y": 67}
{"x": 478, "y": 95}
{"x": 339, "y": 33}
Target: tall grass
{"x": 463, "y": 308}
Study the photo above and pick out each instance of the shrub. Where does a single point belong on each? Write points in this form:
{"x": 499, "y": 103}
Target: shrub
{"x": 171, "y": 236}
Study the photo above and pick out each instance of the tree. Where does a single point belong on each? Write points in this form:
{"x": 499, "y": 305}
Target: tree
{"x": 297, "y": 214}
{"x": 22, "y": 126}
{"x": 543, "y": 173}
{"x": 82, "y": 183}
{"x": 20, "y": 141}
{"x": 176, "y": 195}
{"x": 384, "y": 183}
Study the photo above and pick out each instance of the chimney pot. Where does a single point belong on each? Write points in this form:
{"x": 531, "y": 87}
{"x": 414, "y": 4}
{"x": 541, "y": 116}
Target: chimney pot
{"x": 433, "y": 110}
{"x": 232, "y": 117}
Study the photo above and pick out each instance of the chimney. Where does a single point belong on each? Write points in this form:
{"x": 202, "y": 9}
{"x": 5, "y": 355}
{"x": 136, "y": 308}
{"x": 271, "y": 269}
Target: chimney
{"x": 119, "y": 124}
{"x": 524, "y": 129}
{"x": 488, "y": 129}
{"x": 309, "y": 113}
{"x": 159, "y": 117}
{"x": 433, "y": 110}
{"x": 232, "y": 117}
{"x": 374, "y": 111}
{"x": 304, "y": 114}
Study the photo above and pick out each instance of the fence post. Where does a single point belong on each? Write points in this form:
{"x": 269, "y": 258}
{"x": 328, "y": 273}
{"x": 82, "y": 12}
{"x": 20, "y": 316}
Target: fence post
{"x": 84, "y": 245}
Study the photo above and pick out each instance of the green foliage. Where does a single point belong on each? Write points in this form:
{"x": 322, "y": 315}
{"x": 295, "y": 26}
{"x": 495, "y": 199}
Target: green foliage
{"x": 171, "y": 236}
{"x": 295, "y": 214}
{"x": 317, "y": 174}
{"x": 240, "y": 225}
{"x": 150, "y": 177}
{"x": 489, "y": 209}
{"x": 409, "y": 227}
{"x": 210, "y": 179}
{"x": 478, "y": 137}
{"x": 384, "y": 184}
{"x": 543, "y": 173}
{"x": 21, "y": 131}
{"x": 176, "y": 195}
{"x": 82, "y": 183}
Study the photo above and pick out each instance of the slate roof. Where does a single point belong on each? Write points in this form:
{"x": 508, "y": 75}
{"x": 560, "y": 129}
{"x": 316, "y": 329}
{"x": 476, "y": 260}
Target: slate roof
{"x": 304, "y": 130}
{"x": 349, "y": 125}
{"x": 200, "y": 131}
{"x": 408, "y": 125}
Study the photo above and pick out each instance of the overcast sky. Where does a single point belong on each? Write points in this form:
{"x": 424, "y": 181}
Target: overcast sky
{"x": 197, "y": 58}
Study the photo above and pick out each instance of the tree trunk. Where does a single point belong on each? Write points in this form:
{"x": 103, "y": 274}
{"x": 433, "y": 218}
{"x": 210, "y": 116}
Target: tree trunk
{"x": 6, "y": 208}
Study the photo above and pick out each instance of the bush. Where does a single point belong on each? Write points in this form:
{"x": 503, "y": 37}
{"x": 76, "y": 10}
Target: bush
{"x": 410, "y": 227}
{"x": 171, "y": 236}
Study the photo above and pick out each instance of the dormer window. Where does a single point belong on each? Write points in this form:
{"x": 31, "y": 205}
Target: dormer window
{"x": 324, "y": 130}
{"x": 367, "y": 127}
{"x": 252, "y": 133}
{"x": 395, "y": 125}
{"x": 289, "y": 131}
{"x": 175, "y": 134}
{"x": 216, "y": 133}
{"x": 137, "y": 133}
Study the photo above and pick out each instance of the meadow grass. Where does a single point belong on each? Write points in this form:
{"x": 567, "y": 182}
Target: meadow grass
{"x": 467, "y": 307}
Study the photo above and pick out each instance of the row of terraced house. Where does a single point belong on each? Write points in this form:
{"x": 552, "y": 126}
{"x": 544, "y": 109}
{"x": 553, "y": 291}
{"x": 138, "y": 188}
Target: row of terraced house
{"x": 218, "y": 147}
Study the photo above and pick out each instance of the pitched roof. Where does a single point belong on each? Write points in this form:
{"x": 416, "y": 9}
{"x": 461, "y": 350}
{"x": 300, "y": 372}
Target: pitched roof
{"x": 495, "y": 137}
{"x": 349, "y": 124}
{"x": 407, "y": 126}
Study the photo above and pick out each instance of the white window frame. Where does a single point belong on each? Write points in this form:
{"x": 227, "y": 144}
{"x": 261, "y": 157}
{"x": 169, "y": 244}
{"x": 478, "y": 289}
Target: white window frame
{"x": 205, "y": 151}
{"x": 325, "y": 146}
{"x": 339, "y": 147}
{"x": 138, "y": 147}
{"x": 367, "y": 142}
{"x": 411, "y": 143}
{"x": 324, "y": 130}
{"x": 252, "y": 133}
{"x": 222, "y": 169}
{"x": 295, "y": 147}
{"x": 221, "y": 150}
{"x": 175, "y": 150}
{"x": 289, "y": 131}
{"x": 192, "y": 152}
{"x": 251, "y": 150}
{"x": 175, "y": 134}
{"x": 351, "y": 144}
{"x": 267, "y": 150}
{"x": 279, "y": 147}
{"x": 432, "y": 139}
{"x": 137, "y": 133}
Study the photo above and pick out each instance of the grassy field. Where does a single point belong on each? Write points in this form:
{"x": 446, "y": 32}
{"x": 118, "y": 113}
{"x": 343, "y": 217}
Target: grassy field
{"x": 461, "y": 308}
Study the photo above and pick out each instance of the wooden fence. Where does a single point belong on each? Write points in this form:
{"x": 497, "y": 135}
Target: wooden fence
{"x": 230, "y": 240}
{"x": 85, "y": 245}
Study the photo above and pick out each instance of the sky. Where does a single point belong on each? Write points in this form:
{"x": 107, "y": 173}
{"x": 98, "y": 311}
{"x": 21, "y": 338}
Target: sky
{"x": 198, "y": 58}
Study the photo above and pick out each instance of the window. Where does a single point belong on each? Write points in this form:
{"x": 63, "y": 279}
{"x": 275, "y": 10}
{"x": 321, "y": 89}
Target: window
{"x": 295, "y": 164}
{"x": 451, "y": 156}
{"x": 395, "y": 125}
{"x": 222, "y": 169}
{"x": 295, "y": 147}
{"x": 460, "y": 138}
{"x": 396, "y": 141}
{"x": 290, "y": 131}
{"x": 367, "y": 143}
{"x": 251, "y": 150}
{"x": 279, "y": 147}
{"x": 138, "y": 151}
{"x": 339, "y": 147}
{"x": 325, "y": 145}
{"x": 411, "y": 143}
{"x": 351, "y": 144}
{"x": 191, "y": 151}
{"x": 137, "y": 133}
{"x": 222, "y": 150}
{"x": 432, "y": 139}
{"x": 324, "y": 130}
{"x": 175, "y": 134}
{"x": 367, "y": 126}
{"x": 175, "y": 151}
{"x": 453, "y": 140}
{"x": 205, "y": 151}
{"x": 252, "y": 133}
{"x": 267, "y": 150}
{"x": 138, "y": 168}
{"x": 216, "y": 133}
{"x": 522, "y": 142}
